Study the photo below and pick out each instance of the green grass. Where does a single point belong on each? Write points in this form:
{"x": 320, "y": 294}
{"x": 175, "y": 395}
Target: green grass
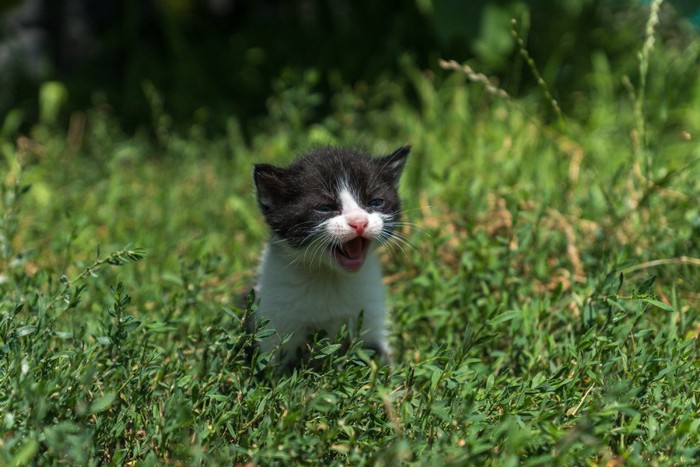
{"x": 548, "y": 311}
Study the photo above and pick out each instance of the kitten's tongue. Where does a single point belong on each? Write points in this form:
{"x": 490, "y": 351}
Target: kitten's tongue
{"x": 351, "y": 255}
{"x": 354, "y": 248}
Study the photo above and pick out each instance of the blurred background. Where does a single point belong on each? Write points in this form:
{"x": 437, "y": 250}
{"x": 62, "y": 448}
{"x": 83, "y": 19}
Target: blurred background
{"x": 208, "y": 60}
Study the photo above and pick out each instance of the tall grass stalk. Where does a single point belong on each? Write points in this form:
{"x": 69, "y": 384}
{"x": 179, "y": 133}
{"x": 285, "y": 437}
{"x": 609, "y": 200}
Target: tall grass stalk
{"x": 522, "y": 49}
{"x": 640, "y": 152}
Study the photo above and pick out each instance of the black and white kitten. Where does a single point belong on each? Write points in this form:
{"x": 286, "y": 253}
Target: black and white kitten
{"x": 328, "y": 211}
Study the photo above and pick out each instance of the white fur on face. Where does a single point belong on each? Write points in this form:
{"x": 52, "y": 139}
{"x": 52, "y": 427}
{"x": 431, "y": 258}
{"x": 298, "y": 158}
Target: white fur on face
{"x": 340, "y": 227}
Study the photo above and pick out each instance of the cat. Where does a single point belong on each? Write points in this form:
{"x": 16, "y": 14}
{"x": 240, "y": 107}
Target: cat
{"x": 327, "y": 212}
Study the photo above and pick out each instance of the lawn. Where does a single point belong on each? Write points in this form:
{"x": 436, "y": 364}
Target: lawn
{"x": 546, "y": 308}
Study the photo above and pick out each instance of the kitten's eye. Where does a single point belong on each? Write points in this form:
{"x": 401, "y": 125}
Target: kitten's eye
{"x": 376, "y": 203}
{"x": 324, "y": 208}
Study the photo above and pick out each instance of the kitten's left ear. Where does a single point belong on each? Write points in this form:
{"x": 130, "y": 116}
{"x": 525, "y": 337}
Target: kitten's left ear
{"x": 394, "y": 163}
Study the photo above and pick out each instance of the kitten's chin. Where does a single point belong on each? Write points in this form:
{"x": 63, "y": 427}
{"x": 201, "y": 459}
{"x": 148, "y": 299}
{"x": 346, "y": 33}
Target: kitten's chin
{"x": 351, "y": 255}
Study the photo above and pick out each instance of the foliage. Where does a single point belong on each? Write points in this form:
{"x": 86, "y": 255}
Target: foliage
{"x": 211, "y": 60}
{"x": 546, "y": 309}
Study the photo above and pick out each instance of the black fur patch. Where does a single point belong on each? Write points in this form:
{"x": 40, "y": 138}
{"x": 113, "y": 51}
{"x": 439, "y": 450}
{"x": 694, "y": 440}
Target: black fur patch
{"x": 288, "y": 197}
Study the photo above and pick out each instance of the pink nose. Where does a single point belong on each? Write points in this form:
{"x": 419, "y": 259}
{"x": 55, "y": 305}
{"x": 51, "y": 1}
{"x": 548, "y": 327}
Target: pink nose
{"x": 358, "y": 225}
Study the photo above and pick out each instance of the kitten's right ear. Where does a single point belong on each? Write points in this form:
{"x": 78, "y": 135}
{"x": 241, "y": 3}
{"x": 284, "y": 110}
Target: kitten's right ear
{"x": 269, "y": 184}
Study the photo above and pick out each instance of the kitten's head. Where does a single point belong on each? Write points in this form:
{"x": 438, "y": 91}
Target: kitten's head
{"x": 330, "y": 205}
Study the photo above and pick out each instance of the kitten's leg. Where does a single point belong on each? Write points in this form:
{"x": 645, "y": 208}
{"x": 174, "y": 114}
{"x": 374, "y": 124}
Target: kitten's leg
{"x": 375, "y": 335}
{"x": 376, "y": 341}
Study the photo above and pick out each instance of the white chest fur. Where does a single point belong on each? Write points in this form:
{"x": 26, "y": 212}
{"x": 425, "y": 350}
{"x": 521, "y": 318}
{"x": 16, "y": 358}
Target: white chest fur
{"x": 300, "y": 297}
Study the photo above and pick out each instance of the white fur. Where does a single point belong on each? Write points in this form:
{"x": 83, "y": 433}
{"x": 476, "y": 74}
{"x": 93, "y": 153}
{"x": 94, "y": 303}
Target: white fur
{"x": 304, "y": 291}
{"x": 339, "y": 227}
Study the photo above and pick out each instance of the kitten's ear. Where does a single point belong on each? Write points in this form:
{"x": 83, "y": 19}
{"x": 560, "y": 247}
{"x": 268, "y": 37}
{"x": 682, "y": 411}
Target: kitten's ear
{"x": 393, "y": 164}
{"x": 269, "y": 182}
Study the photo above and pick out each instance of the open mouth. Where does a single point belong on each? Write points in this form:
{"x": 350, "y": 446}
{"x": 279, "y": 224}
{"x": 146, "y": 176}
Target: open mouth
{"x": 351, "y": 255}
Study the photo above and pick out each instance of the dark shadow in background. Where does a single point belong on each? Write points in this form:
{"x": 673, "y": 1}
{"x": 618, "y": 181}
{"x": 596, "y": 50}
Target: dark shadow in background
{"x": 218, "y": 58}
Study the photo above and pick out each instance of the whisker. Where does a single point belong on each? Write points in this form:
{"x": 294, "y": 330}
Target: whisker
{"x": 395, "y": 240}
{"x": 390, "y": 247}
{"x": 402, "y": 223}
{"x": 318, "y": 247}
{"x": 400, "y": 246}
{"x": 311, "y": 247}
{"x": 401, "y": 239}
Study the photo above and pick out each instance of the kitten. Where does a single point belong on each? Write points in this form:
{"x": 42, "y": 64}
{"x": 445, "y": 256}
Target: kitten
{"x": 328, "y": 211}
